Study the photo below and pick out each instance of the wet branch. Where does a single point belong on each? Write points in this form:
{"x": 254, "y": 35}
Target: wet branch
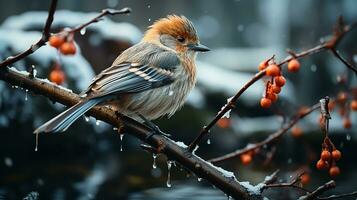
{"x": 270, "y": 139}
{"x": 166, "y": 146}
{"x": 339, "y": 32}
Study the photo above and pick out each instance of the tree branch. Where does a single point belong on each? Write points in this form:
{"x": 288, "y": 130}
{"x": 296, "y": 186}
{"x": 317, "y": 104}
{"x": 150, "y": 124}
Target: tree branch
{"x": 40, "y": 43}
{"x": 271, "y": 138}
{"x": 339, "y": 32}
{"x": 192, "y": 162}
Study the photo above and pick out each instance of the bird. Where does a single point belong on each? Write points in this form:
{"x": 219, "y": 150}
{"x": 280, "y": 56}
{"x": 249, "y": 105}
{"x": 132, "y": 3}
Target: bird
{"x": 146, "y": 81}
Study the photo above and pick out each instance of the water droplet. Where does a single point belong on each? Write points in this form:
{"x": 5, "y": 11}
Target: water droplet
{"x": 149, "y": 19}
{"x": 149, "y": 6}
{"x": 313, "y": 68}
{"x": 26, "y": 91}
{"x": 83, "y": 31}
{"x": 36, "y": 145}
{"x": 168, "y": 182}
{"x": 97, "y": 122}
{"x": 208, "y": 141}
{"x": 115, "y": 129}
{"x": 87, "y": 118}
{"x": 8, "y": 162}
{"x": 290, "y": 160}
{"x": 16, "y": 86}
{"x": 348, "y": 137}
{"x": 199, "y": 179}
{"x": 240, "y": 28}
{"x": 121, "y": 141}
{"x": 154, "y": 156}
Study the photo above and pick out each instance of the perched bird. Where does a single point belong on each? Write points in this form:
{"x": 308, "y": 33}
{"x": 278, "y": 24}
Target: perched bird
{"x": 146, "y": 81}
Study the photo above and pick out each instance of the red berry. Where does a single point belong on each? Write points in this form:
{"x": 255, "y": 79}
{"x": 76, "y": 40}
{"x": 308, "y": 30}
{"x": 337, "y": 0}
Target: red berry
{"x": 224, "y": 122}
{"x": 334, "y": 171}
{"x": 276, "y": 89}
{"x": 305, "y": 179}
{"x": 321, "y": 164}
{"x": 347, "y": 124}
{"x": 325, "y": 155}
{"x": 265, "y": 103}
{"x": 296, "y": 132}
{"x": 336, "y": 155}
{"x": 263, "y": 65}
{"x": 57, "y": 76}
{"x": 280, "y": 81}
{"x": 293, "y": 65}
{"x": 273, "y": 70}
{"x": 246, "y": 158}
{"x": 56, "y": 41}
{"x": 68, "y": 48}
{"x": 272, "y": 96}
{"x": 354, "y": 105}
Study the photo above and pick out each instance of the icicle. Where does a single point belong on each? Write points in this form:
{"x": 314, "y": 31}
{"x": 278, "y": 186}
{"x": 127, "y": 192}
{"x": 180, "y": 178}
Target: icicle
{"x": 36, "y": 145}
{"x": 199, "y": 179}
{"x": 348, "y": 137}
{"x": 121, "y": 141}
{"x": 208, "y": 141}
{"x": 97, "y": 122}
{"x": 26, "y": 91}
{"x": 83, "y": 31}
{"x": 86, "y": 118}
{"x": 154, "y": 156}
{"x": 168, "y": 182}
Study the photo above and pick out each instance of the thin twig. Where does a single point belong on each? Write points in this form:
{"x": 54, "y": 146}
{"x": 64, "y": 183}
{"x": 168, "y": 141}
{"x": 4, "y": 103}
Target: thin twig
{"x": 330, "y": 44}
{"x": 291, "y": 184}
{"x": 272, "y": 137}
{"x": 38, "y": 44}
{"x": 314, "y": 194}
{"x": 343, "y": 60}
{"x": 339, "y": 196}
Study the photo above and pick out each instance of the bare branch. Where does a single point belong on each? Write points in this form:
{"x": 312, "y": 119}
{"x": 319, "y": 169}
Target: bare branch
{"x": 272, "y": 137}
{"x": 314, "y": 194}
{"x": 40, "y": 43}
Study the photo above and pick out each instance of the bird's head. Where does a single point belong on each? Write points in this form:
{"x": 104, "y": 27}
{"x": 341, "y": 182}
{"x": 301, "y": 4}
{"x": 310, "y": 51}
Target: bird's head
{"x": 175, "y": 32}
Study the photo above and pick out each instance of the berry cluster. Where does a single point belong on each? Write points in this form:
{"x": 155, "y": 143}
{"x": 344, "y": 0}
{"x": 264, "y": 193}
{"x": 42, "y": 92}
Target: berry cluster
{"x": 328, "y": 158}
{"x": 273, "y": 86}
{"x": 64, "y": 43}
{"x": 344, "y": 107}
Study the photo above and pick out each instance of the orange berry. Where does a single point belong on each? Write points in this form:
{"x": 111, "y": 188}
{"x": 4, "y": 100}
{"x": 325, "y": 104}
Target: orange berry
{"x": 68, "y": 48}
{"x": 280, "y": 81}
{"x": 293, "y": 65}
{"x": 273, "y": 70}
{"x": 336, "y": 155}
{"x": 347, "y": 124}
{"x": 325, "y": 155}
{"x": 305, "y": 179}
{"x": 265, "y": 103}
{"x": 246, "y": 158}
{"x": 321, "y": 165}
{"x": 263, "y": 65}
{"x": 276, "y": 89}
{"x": 56, "y": 41}
{"x": 272, "y": 96}
{"x": 334, "y": 171}
{"x": 57, "y": 76}
{"x": 354, "y": 105}
{"x": 224, "y": 122}
{"x": 296, "y": 132}
{"x": 342, "y": 97}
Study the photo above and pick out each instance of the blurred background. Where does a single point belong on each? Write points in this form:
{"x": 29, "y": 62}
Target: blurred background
{"x": 90, "y": 161}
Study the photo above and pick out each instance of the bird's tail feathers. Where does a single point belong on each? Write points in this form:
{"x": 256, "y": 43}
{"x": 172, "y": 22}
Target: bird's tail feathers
{"x": 62, "y": 121}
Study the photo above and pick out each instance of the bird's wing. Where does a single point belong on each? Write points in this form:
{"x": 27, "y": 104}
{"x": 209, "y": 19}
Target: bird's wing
{"x": 152, "y": 71}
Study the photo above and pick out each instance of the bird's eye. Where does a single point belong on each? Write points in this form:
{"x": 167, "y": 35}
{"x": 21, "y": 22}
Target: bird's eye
{"x": 181, "y": 39}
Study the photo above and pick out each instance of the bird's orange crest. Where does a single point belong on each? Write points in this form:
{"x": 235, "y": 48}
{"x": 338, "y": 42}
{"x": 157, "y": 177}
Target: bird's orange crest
{"x": 176, "y": 26}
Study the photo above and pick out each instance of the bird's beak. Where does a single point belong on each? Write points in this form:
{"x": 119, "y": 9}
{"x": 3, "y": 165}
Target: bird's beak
{"x": 198, "y": 47}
